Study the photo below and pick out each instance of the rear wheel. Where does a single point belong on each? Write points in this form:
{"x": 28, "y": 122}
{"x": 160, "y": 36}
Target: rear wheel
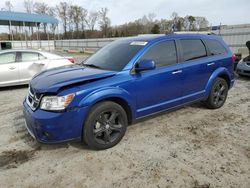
{"x": 218, "y": 94}
{"x": 105, "y": 125}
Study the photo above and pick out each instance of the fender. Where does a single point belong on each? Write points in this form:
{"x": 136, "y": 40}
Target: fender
{"x": 217, "y": 73}
{"x": 109, "y": 92}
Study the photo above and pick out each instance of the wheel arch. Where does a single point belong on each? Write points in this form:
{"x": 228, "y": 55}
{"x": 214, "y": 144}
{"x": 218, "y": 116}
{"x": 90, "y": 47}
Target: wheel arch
{"x": 117, "y": 95}
{"x": 218, "y": 73}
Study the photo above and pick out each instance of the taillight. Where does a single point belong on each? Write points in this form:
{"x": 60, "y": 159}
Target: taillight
{"x": 72, "y": 60}
{"x": 234, "y": 58}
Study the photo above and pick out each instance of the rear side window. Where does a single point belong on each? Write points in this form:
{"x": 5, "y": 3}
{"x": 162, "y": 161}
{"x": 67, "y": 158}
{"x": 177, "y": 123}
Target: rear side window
{"x": 193, "y": 49}
{"x": 215, "y": 47}
{"x": 7, "y": 58}
{"x": 30, "y": 56}
{"x": 163, "y": 54}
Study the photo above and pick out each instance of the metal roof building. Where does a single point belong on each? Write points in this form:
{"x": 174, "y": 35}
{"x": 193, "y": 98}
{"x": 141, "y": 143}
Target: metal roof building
{"x": 20, "y": 18}
{"x": 24, "y": 20}
{"x": 235, "y": 36}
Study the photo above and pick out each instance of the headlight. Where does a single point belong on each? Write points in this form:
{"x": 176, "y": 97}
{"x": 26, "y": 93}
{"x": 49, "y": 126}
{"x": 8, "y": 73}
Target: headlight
{"x": 56, "y": 102}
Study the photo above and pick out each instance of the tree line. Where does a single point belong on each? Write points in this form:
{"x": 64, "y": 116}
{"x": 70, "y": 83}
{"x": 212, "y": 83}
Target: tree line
{"x": 77, "y": 22}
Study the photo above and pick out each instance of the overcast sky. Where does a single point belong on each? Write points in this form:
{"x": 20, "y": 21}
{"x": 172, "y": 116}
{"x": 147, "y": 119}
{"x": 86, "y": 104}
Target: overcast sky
{"x": 121, "y": 11}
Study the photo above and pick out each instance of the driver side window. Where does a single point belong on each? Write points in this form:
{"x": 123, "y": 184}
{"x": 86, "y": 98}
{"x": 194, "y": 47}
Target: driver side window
{"x": 163, "y": 54}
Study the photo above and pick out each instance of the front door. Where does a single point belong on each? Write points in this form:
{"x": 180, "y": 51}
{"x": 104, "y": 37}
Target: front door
{"x": 160, "y": 88}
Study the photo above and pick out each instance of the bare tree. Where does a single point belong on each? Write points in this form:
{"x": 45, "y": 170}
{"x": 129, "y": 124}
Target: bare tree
{"x": 151, "y": 17}
{"x": 84, "y": 14}
{"x": 62, "y": 12}
{"x": 104, "y": 21}
{"x": 41, "y": 8}
{"x": 28, "y": 5}
{"x": 191, "y": 20}
{"x": 92, "y": 19}
{"x": 77, "y": 11}
{"x": 71, "y": 20}
{"x": 201, "y": 23}
{"x": 8, "y": 5}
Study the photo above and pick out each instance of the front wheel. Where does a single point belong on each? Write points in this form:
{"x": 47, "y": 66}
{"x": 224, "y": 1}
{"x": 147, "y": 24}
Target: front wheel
{"x": 105, "y": 125}
{"x": 218, "y": 94}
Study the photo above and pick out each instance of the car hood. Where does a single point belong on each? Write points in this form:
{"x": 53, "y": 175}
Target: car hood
{"x": 52, "y": 80}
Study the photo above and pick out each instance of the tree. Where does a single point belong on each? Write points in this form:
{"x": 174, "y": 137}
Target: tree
{"x": 155, "y": 29}
{"x": 8, "y": 5}
{"x": 62, "y": 12}
{"x": 116, "y": 33}
{"x": 41, "y": 8}
{"x": 92, "y": 19}
{"x": 151, "y": 17}
{"x": 180, "y": 23}
{"x": 75, "y": 16}
{"x": 191, "y": 20}
{"x": 177, "y": 22}
{"x": 84, "y": 14}
{"x": 104, "y": 21}
{"x": 28, "y": 5}
{"x": 201, "y": 23}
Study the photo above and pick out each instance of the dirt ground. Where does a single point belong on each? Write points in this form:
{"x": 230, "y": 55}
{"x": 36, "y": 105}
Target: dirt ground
{"x": 188, "y": 147}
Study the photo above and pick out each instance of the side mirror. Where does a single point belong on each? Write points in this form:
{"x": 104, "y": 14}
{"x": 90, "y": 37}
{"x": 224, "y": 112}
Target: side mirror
{"x": 144, "y": 65}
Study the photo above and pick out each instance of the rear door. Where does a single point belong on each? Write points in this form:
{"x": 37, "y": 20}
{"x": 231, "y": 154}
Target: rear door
{"x": 197, "y": 68}
{"x": 31, "y": 63}
{"x": 216, "y": 55}
{"x": 8, "y": 69}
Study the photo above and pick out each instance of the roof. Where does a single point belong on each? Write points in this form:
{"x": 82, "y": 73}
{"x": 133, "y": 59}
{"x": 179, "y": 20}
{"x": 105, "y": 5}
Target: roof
{"x": 156, "y": 37}
{"x": 17, "y": 18}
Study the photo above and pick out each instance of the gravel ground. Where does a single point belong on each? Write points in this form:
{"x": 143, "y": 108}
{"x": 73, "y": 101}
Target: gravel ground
{"x": 189, "y": 147}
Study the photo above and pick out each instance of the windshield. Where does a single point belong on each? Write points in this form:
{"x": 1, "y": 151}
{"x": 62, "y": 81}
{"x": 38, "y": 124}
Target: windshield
{"x": 115, "y": 56}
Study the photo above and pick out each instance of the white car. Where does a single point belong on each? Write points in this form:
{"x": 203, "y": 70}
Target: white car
{"x": 17, "y": 67}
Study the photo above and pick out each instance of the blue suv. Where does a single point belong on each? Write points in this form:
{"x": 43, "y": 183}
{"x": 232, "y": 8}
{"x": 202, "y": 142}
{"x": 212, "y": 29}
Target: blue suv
{"x": 126, "y": 80}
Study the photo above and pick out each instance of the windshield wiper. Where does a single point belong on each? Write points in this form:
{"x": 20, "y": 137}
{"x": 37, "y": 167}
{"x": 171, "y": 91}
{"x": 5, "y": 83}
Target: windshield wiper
{"x": 92, "y": 66}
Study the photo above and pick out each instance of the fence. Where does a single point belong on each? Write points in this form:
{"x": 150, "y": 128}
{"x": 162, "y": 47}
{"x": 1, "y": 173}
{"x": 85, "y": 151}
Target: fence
{"x": 235, "y": 36}
{"x": 81, "y": 44}
{"x": 45, "y": 45}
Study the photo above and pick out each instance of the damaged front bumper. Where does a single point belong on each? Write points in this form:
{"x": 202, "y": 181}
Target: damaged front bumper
{"x": 54, "y": 127}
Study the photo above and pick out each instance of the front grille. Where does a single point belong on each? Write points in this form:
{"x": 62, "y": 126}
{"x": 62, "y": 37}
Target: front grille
{"x": 33, "y": 99}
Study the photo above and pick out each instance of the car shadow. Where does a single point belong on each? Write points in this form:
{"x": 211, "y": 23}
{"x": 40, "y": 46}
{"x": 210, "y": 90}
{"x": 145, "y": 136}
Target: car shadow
{"x": 244, "y": 78}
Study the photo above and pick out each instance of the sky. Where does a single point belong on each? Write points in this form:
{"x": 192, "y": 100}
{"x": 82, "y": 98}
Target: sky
{"x": 226, "y": 12}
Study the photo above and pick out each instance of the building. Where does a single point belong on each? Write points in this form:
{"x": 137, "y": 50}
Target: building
{"x": 235, "y": 36}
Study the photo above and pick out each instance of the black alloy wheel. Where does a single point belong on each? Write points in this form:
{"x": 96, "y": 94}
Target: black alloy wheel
{"x": 218, "y": 94}
{"x": 105, "y": 125}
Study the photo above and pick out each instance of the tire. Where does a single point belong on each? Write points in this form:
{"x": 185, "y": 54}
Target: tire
{"x": 105, "y": 125}
{"x": 218, "y": 94}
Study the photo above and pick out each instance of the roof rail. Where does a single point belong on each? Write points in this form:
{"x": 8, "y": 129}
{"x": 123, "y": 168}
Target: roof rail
{"x": 148, "y": 35}
{"x": 195, "y": 32}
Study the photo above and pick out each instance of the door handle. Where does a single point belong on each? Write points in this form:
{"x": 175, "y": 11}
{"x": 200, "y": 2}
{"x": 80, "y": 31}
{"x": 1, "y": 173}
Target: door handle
{"x": 210, "y": 64}
{"x": 12, "y": 68}
{"x": 177, "y": 72}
